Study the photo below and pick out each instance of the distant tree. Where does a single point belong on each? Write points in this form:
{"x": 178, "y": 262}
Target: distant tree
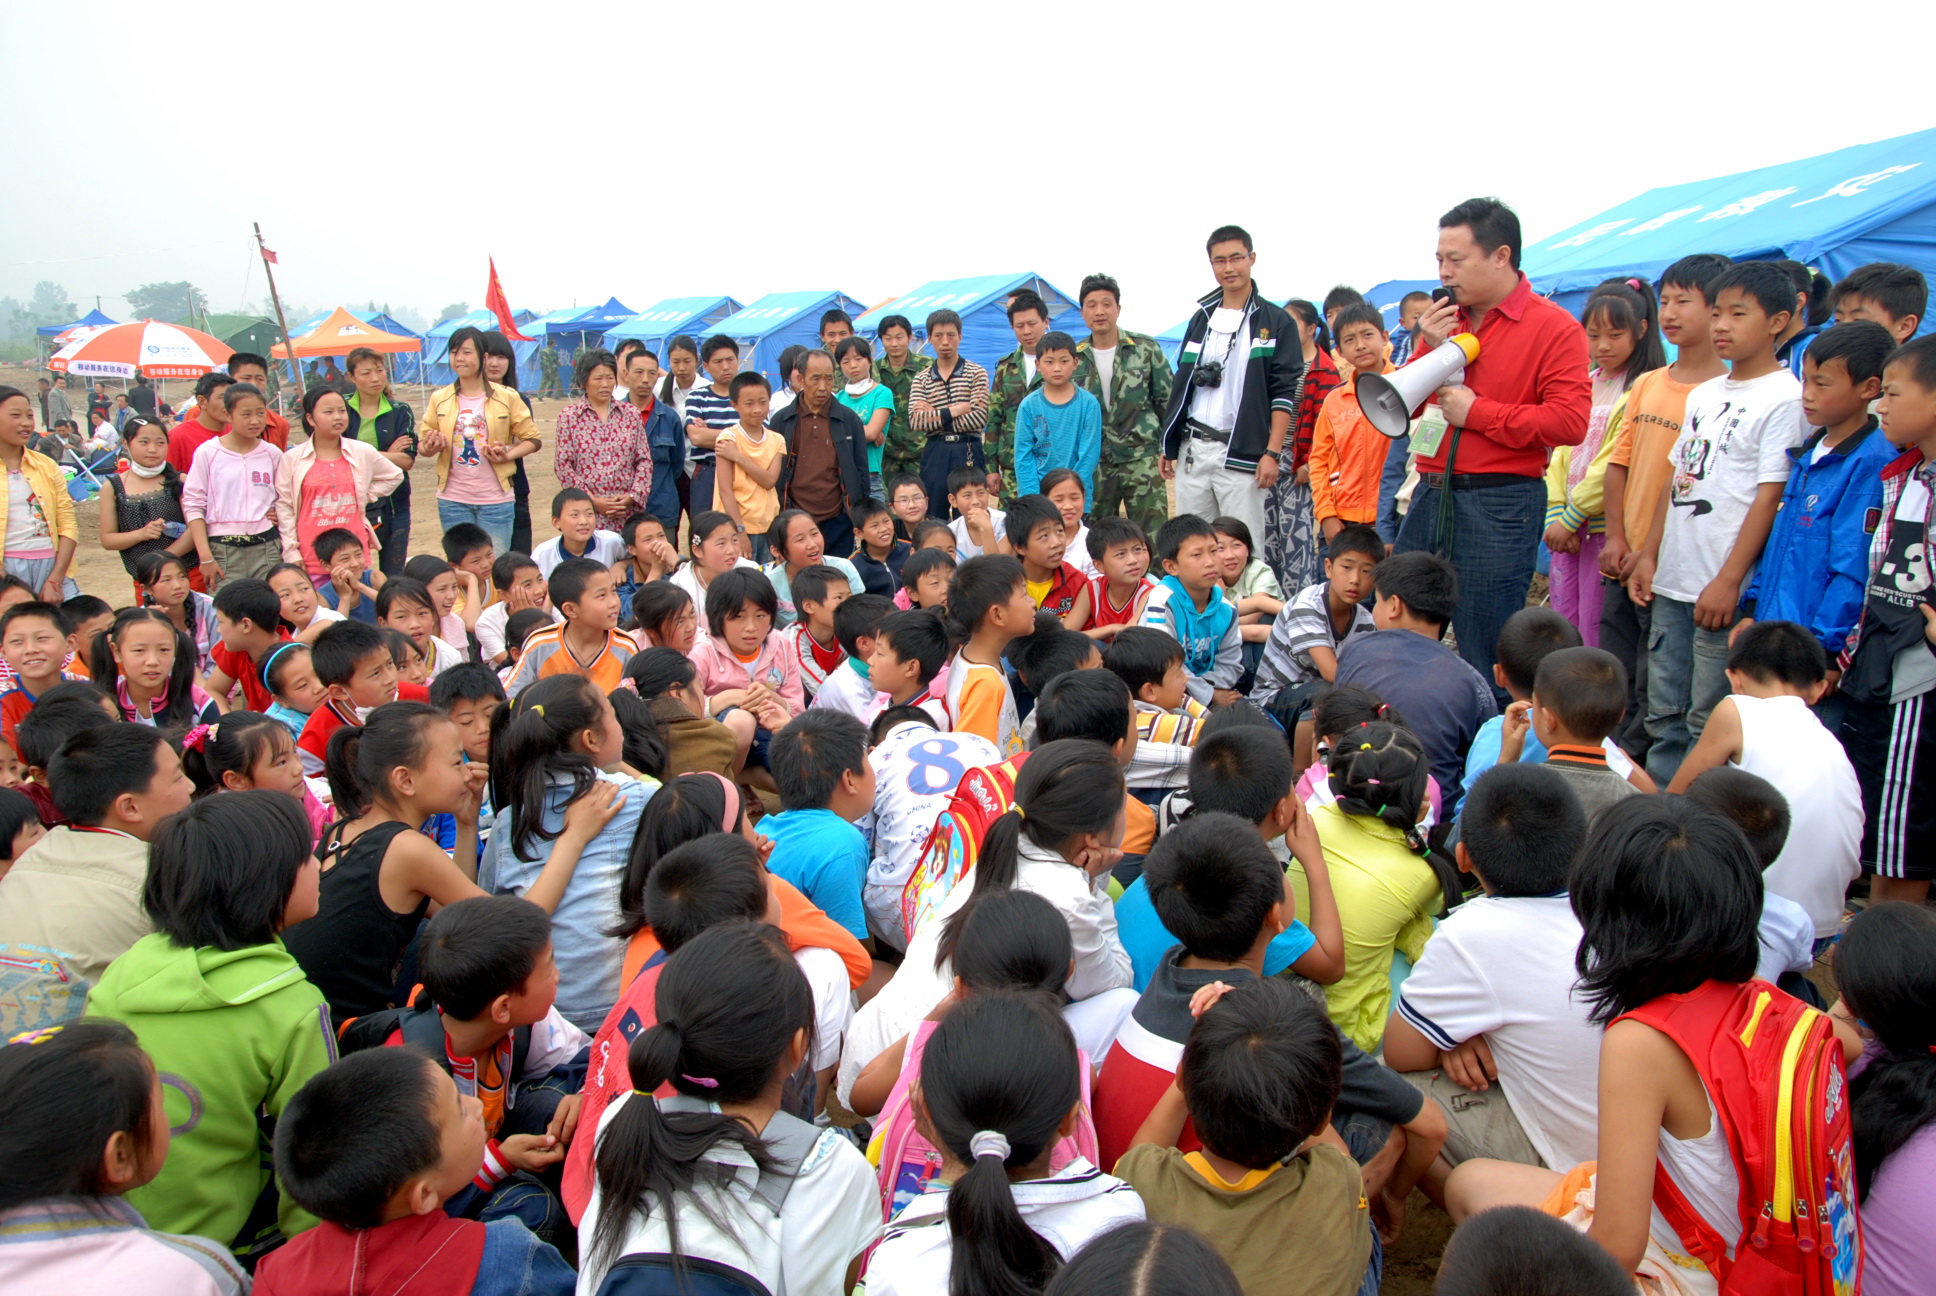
{"x": 177, "y": 300}
{"x": 408, "y": 316}
{"x": 453, "y": 310}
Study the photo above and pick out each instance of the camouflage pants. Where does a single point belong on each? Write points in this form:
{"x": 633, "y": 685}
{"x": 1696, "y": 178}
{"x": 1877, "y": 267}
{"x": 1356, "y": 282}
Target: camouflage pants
{"x": 1135, "y": 489}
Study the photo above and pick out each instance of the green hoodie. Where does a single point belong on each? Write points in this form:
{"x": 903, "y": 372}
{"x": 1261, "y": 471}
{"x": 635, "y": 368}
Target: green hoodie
{"x": 233, "y": 1034}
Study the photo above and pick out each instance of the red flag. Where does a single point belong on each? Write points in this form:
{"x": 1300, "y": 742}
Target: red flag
{"x": 495, "y": 303}
{"x": 270, "y": 257}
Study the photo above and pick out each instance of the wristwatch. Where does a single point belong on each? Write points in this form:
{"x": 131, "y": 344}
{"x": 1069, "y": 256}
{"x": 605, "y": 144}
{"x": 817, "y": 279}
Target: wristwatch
{"x": 1277, "y": 456}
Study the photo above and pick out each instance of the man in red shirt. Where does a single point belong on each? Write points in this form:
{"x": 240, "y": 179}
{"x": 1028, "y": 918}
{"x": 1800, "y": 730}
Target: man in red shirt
{"x": 1527, "y": 392}
{"x": 211, "y": 416}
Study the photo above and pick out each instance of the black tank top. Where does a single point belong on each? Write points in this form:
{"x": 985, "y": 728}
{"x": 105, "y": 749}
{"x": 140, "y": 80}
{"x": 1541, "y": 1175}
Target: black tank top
{"x": 352, "y": 949}
{"x": 134, "y": 511}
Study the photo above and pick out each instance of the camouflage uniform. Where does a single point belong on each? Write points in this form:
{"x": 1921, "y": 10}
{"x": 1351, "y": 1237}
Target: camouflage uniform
{"x": 1009, "y": 384}
{"x": 1131, "y": 429}
{"x": 548, "y": 370}
{"x": 902, "y": 451}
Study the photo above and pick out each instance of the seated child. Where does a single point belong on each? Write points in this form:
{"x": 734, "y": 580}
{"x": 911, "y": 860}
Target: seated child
{"x": 812, "y": 640}
{"x": 1091, "y": 705}
{"x": 742, "y": 663}
{"x": 454, "y": 595}
{"x": 248, "y": 618}
{"x": 578, "y": 535}
{"x": 413, "y": 663}
{"x": 35, "y": 638}
{"x": 667, "y": 681}
{"x": 917, "y": 768}
{"x": 664, "y": 617}
{"x": 374, "y": 1147}
{"x": 1119, "y": 552}
{"x": 908, "y": 499}
{"x": 1443, "y": 698}
{"x": 88, "y": 616}
{"x": 244, "y": 750}
{"x": 1579, "y": 697}
{"x": 145, "y": 663}
{"x": 1257, "y": 1082}
{"x": 1035, "y": 536}
{"x": 924, "y": 579}
{"x": 714, "y": 544}
{"x": 1150, "y": 662}
{"x": 289, "y": 673}
{"x": 358, "y": 674}
{"x": 302, "y": 606}
{"x": 469, "y": 549}
{"x": 1188, "y": 604}
{"x": 1301, "y": 651}
{"x": 1246, "y": 772}
{"x": 63, "y": 711}
{"x": 1777, "y": 672}
{"x": 163, "y": 581}
{"x": 20, "y": 826}
{"x": 1386, "y": 889}
{"x": 1514, "y": 1249}
{"x": 588, "y": 642}
{"x": 1000, "y": 1078}
{"x": 1751, "y": 803}
{"x": 819, "y": 764}
{"x": 518, "y": 629}
{"x": 989, "y": 607}
{"x": 408, "y": 606}
{"x": 520, "y": 585}
{"x": 849, "y": 687}
{"x": 979, "y": 527}
{"x": 1488, "y": 1023}
{"x": 217, "y": 1001}
{"x": 909, "y": 650}
{"x": 470, "y": 694}
{"x": 351, "y": 587}
{"x": 797, "y": 543}
{"x": 1063, "y": 488}
{"x": 879, "y": 555}
{"x": 649, "y": 556}
{"x": 1248, "y": 582}
{"x": 84, "y": 1127}
{"x": 933, "y": 533}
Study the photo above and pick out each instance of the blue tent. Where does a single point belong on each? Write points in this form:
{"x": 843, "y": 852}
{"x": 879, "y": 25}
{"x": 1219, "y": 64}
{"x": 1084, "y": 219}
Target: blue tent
{"x": 777, "y": 321}
{"x": 579, "y": 328}
{"x": 658, "y": 324}
{"x": 982, "y": 303}
{"x": 1387, "y": 295}
{"x": 93, "y": 319}
{"x": 405, "y": 367}
{"x": 436, "y": 352}
{"x": 1872, "y": 202}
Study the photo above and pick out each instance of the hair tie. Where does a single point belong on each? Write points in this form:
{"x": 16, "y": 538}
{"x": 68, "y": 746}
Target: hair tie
{"x": 38, "y": 1036}
{"x": 988, "y": 1143}
{"x": 1634, "y": 284}
{"x": 704, "y": 1082}
{"x": 1021, "y": 815}
{"x": 197, "y": 738}
{"x": 538, "y": 709}
{"x": 630, "y": 685}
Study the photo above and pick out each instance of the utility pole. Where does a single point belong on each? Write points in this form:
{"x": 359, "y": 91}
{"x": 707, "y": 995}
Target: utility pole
{"x": 268, "y": 262}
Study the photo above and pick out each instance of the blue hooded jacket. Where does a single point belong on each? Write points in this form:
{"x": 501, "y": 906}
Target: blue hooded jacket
{"x": 1816, "y": 564}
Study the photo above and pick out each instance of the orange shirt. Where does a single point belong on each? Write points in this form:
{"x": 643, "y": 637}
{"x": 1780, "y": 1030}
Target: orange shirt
{"x": 801, "y": 921}
{"x": 1347, "y": 458}
{"x": 1655, "y": 406}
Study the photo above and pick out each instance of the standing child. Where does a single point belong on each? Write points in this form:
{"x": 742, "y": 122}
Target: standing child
{"x": 1057, "y": 425}
{"x": 576, "y": 518}
{"x": 38, "y": 545}
{"x": 1119, "y": 555}
{"x": 812, "y": 640}
{"x": 1189, "y": 604}
{"x": 588, "y": 642}
{"x": 406, "y": 605}
{"x": 147, "y": 664}
{"x": 871, "y": 401}
{"x": 1730, "y": 465}
{"x": 1064, "y": 489}
{"x": 1623, "y": 342}
{"x": 329, "y": 481}
{"x": 989, "y": 607}
{"x": 750, "y": 461}
{"x": 229, "y": 493}
{"x": 141, "y": 510}
{"x": 878, "y": 556}
{"x": 219, "y": 1003}
{"x": 1347, "y": 453}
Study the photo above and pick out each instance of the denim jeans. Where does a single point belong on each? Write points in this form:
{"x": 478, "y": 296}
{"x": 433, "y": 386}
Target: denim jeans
{"x": 494, "y": 518}
{"x": 1687, "y": 674}
{"x": 1495, "y": 546}
{"x": 1625, "y": 627}
{"x": 1389, "y": 483}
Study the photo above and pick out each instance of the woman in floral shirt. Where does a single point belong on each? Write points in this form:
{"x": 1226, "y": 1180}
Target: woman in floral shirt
{"x": 602, "y": 445}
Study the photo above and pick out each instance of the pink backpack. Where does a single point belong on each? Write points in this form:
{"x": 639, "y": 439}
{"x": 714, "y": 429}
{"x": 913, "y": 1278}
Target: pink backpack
{"x": 906, "y": 1161}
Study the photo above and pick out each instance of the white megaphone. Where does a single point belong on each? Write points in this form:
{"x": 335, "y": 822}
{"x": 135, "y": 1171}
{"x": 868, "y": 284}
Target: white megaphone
{"x": 1389, "y": 399}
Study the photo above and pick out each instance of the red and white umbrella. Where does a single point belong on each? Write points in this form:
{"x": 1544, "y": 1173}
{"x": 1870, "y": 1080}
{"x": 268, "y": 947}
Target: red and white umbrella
{"x": 143, "y": 346}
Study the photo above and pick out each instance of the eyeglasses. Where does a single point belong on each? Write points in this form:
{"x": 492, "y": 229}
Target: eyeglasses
{"x": 1225, "y": 262}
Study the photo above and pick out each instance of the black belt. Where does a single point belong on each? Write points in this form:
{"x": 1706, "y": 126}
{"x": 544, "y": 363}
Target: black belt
{"x": 954, "y": 438}
{"x": 243, "y": 541}
{"x": 1474, "y": 481}
{"x": 1204, "y": 432}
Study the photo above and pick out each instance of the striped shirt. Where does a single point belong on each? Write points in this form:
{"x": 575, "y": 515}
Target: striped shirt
{"x": 1165, "y": 742}
{"x": 546, "y": 654}
{"x": 969, "y": 382}
{"x": 707, "y": 406}
{"x": 1304, "y": 624}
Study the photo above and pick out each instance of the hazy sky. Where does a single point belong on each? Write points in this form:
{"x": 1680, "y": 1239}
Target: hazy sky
{"x": 648, "y": 151}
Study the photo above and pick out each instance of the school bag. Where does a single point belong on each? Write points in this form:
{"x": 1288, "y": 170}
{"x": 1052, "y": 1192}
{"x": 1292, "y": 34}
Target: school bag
{"x": 38, "y": 988}
{"x": 422, "y": 1028}
{"x": 984, "y": 795}
{"x": 1773, "y": 1070}
{"x": 789, "y": 1141}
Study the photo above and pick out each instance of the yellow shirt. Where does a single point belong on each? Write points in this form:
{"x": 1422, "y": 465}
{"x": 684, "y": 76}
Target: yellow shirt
{"x": 758, "y": 505}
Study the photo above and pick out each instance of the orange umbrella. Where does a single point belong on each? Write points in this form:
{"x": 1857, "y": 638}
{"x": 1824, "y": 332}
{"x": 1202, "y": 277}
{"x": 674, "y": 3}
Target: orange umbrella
{"x": 343, "y": 333}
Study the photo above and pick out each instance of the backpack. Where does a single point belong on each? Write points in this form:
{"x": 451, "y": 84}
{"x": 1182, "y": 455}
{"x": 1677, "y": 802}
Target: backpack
{"x": 38, "y": 988}
{"x": 790, "y": 1141}
{"x": 984, "y": 795}
{"x": 1773, "y": 1070}
{"x": 422, "y": 1028}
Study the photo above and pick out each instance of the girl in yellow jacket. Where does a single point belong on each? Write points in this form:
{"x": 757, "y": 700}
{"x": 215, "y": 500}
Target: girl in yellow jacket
{"x": 38, "y": 531}
{"x": 478, "y": 431}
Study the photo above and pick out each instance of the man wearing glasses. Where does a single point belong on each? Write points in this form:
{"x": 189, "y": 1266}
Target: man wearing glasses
{"x": 1234, "y": 395}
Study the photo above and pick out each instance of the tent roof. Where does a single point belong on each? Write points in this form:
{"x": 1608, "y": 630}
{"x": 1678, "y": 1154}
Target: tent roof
{"x": 778, "y": 310}
{"x": 93, "y": 319}
{"x": 479, "y": 318}
{"x": 539, "y": 325}
{"x": 385, "y": 322}
{"x": 1387, "y": 295}
{"x": 673, "y": 315}
{"x": 592, "y": 319}
{"x": 961, "y": 296}
{"x": 1802, "y": 209}
{"x": 341, "y": 333}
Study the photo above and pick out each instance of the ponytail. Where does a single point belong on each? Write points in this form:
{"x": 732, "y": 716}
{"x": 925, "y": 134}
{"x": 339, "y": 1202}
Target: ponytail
{"x": 531, "y": 744}
{"x": 1886, "y": 966}
{"x": 180, "y": 709}
{"x": 359, "y": 758}
{"x": 685, "y": 809}
{"x": 730, "y": 1005}
{"x": 646, "y": 748}
{"x": 1068, "y": 787}
{"x": 998, "y": 1076}
{"x": 232, "y": 744}
{"x": 1379, "y": 770}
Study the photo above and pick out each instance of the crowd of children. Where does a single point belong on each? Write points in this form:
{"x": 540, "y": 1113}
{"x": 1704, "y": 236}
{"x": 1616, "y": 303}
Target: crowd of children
{"x": 1021, "y": 903}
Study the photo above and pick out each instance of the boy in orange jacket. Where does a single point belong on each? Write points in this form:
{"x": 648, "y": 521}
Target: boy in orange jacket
{"x": 1347, "y": 452}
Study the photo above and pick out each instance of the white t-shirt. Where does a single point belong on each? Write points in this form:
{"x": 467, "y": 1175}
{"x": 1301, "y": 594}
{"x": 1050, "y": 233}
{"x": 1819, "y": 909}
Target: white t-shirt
{"x": 832, "y": 1213}
{"x": 490, "y": 628}
{"x": 1077, "y": 554}
{"x": 1787, "y": 937}
{"x": 604, "y": 548}
{"x": 1502, "y": 967}
{"x": 687, "y": 579}
{"x": 966, "y": 548}
{"x": 27, "y": 530}
{"x": 1735, "y": 439}
{"x": 916, "y": 770}
{"x": 845, "y": 690}
{"x": 1028, "y": 367}
{"x": 1783, "y": 742}
{"x": 1105, "y": 358}
{"x": 833, "y": 1002}
{"x": 1217, "y": 406}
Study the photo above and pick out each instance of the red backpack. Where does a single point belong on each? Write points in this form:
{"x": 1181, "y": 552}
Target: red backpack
{"x": 1773, "y": 1069}
{"x": 984, "y": 795}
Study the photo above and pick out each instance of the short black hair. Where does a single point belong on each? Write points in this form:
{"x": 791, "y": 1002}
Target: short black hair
{"x": 1425, "y": 583}
{"x": 100, "y": 763}
{"x": 1243, "y": 771}
{"x": 220, "y": 873}
{"x": 1184, "y": 526}
{"x": 1779, "y": 652}
{"x": 522, "y": 624}
{"x": 1492, "y": 224}
{"x": 1359, "y": 539}
{"x": 714, "y": 345}
{"x": 1105, "y": 533}
{"x": 1025, "y": 514}
{"x": 1090, "y": 704}
{"x": 85, "y": 607}
{"x": 1520, "y": 1251}
{"x": 916, "y": 635}
{"x": 1586, "y": 688}
{"x": 568, "y": 580}
{"x": 1261, "y": 1072}
{"x": 834, "y": 316}
{"x": 465, "y": 682}
{"x": 1863, "y": 347}
{"x": 1099, "y": 283}
{"x": 1228, "y": 234}
{"x": 1344, "y": 295}
{"x": 810, "y": 584}
{"x": 868, "y": 509}
{"x": 965, "y": 476}
{"x": 506, "y": 566}
{"x": 342, "y": 647}
{"x": 49, "y": 612}
{"x": 569, "y": 495}
{"x": 1749, "y": 802}
{"x": 467, "y": 538}
{"x": 1055, "y": 340}
{"x": 1027, "y": 299}
{"x": 742, "y": 381}
{"x": 333, "y": 541}
{"x": 811, "y": 753}
{"x": 733, "y": 590}
{"x": 943, "y": 319}
{"x": 242, "y": 359}
{"x": 403, "y": 589}
{"x": 62, "y": 711}
{"x": 1522, "y": 824}
{"x": 1213, "y": 881}
{"x": 1359, "y": 313}
{"x": 1698, "y": 271}
{"x": 1052, "y": 650}
{"x": 1918, "y": 355}
{"x": 477, "y": 949}
{"x": 1525, "y": 640}
{"x": 922, "y": 561}
{"x": 711, "y": 880}
{"x": 900, "y": 322}
{"x": 1766, "y": 283}
{"x": 1141, "y": 655}
{"x": 357, "y": 1132}
{"x": 857, "y": 615}
{"x": 1899, "y": 289}
{"x": 243, "y": 598}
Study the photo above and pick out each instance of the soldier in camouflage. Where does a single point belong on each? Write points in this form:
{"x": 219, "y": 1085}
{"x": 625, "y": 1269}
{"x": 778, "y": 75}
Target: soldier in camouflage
{"x": 1133, "y": 401}
{"x": 548, "y": 371}
{"x": 1014, "y": 378}
{"x": 895, "y": 370}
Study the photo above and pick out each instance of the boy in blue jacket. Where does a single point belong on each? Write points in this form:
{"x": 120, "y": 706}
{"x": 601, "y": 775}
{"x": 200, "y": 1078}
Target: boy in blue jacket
{"x": 1816, "y": 565}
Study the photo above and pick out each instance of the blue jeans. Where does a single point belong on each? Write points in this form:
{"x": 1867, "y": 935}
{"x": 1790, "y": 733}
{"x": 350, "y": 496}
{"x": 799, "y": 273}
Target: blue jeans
{"x": 494, "y": 518}
{"x": 1687, "y": 674}
{"x": 1388, "y": 483}
{"x": 1495, "y": 546}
